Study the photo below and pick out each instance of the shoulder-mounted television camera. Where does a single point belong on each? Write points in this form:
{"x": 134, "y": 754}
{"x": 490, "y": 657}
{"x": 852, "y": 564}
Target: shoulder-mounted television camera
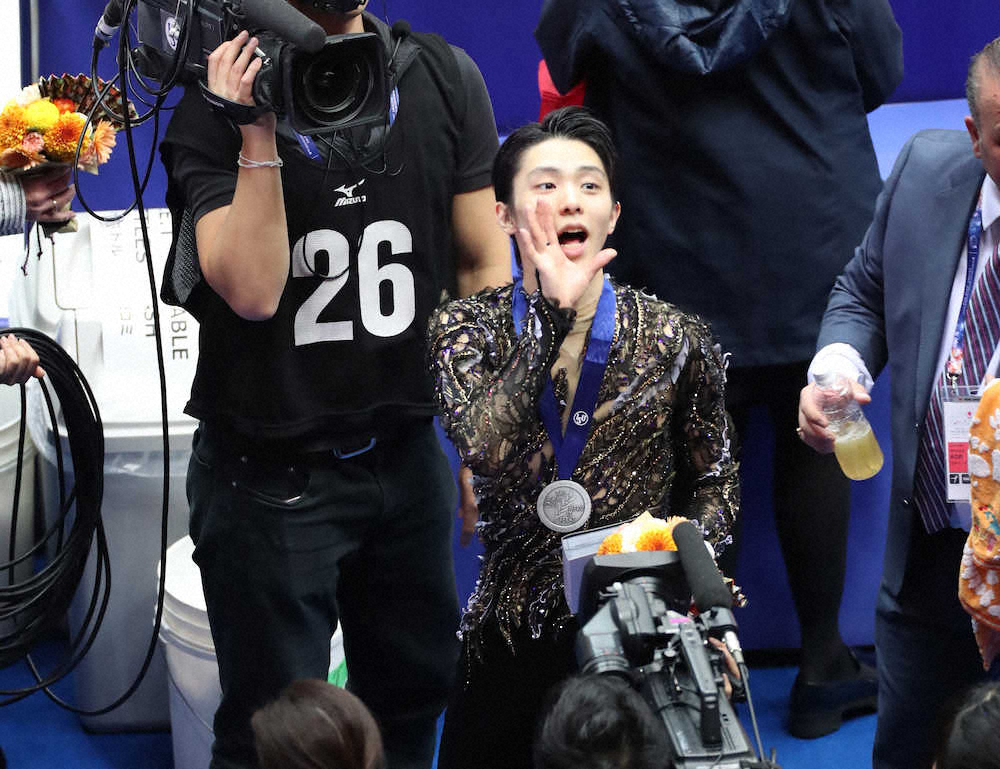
{"x": 635, "y": 625}
{"x": 322, "y": 83}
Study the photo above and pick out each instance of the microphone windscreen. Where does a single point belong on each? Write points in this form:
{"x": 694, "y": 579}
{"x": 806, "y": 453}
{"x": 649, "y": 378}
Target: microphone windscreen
{"x": 286, "y": 22}
{"x": 112, "y": 15}
{"x": 707, "y": 586}
{"x": 401, "y": 28}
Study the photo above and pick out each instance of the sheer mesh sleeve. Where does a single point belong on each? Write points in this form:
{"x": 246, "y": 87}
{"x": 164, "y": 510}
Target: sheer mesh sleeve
{"x": 488, "y": 379}
{"x": 706, "y": 487}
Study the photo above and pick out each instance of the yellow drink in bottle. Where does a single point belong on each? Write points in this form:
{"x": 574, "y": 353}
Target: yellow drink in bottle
{"x": 858, "y": 452}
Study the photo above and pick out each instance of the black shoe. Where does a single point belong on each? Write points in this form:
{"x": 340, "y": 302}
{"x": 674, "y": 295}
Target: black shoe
{"x": 817, "y": 709}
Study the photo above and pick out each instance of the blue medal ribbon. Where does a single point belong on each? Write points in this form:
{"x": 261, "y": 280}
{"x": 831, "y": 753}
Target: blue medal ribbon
{"x": 568, "y": 447}
{"x": 955, "y": 361}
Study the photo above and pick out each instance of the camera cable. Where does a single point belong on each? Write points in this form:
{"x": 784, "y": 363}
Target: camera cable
{"x": 40, "y": 603}
{"x": 36, "y": 605}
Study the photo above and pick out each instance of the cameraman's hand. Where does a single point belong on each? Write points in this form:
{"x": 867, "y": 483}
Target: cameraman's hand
{"x": 731, "y": 665}
{"x": 232, "y": 68}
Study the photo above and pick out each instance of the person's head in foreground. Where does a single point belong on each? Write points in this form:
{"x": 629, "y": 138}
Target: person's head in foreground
{"x": 316, "y": 725}
{"x": 970, "y": 738}
{"x": 599, "y": 722}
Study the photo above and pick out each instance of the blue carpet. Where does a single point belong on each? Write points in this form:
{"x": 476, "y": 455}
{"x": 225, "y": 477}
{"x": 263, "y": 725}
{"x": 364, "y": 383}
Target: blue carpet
{"x": 848, "y": 748}
{"x": 35, "y": 733}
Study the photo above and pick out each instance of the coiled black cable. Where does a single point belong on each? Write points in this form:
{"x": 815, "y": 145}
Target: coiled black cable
{"x": 37, "y": 605}
{"x": 31, "y": 608}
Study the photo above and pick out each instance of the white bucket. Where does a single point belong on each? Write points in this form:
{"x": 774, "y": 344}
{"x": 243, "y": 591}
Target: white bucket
{"x": 192, "y": 670}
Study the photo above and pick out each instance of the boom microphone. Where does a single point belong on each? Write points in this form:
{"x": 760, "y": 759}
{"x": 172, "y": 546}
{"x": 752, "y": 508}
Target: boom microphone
{"x": 110, "y": 20}
{"x": 702, "y": 575}
{"x": 711, "y": 596}
{"x": 286, "y": 22}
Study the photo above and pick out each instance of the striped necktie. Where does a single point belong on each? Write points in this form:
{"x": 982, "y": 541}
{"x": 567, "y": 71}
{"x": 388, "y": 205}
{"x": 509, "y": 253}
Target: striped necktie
{"x": 982, "y": 333}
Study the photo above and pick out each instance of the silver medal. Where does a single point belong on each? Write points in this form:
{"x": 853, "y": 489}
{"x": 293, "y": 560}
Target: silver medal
{"x": 564, "y": 506}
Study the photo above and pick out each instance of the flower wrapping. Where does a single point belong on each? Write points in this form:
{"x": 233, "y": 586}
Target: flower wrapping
{"x": 642, "y": 533}
{"x": 42, "y": 126}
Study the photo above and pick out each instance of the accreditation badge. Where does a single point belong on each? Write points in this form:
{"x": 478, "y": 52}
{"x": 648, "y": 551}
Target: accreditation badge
{"x": 563, "y": 506}
{"x": 958, "y": 406}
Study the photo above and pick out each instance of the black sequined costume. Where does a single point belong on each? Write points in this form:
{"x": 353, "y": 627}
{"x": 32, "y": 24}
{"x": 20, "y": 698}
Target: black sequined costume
{"x": 659, "y": 441}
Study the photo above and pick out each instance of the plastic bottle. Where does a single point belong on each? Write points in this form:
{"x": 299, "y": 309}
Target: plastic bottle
{"x": 855, "y": 446}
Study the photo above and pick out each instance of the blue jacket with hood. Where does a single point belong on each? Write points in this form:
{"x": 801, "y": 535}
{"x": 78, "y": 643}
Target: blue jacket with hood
{"x": 747, "y": 172}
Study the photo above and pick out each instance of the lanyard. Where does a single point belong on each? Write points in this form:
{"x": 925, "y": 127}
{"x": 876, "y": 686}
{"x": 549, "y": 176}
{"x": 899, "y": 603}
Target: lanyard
{"x": 568, "y": 447}
{"x": 954, "y": 365}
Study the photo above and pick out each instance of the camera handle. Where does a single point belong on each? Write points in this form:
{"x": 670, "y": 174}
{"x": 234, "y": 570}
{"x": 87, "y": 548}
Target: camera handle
{"x": 693, "y": 648}
{"x": 241, "y": 114}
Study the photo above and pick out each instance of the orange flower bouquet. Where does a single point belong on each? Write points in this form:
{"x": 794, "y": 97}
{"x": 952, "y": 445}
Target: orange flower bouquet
{"x": 44, "y": 123}
{"x": 642, "y": 533}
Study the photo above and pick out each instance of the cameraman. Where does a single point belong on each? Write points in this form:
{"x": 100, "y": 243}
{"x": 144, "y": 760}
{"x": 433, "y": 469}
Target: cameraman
{"x": 318, "y": 490}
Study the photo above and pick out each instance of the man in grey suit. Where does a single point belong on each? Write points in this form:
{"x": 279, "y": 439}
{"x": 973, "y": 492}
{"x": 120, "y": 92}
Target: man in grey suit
{"x": 903, "y": 300}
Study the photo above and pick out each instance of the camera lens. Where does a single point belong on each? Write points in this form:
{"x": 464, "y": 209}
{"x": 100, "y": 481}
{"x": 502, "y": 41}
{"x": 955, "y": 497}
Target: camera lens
{"x": 336, "y": 85}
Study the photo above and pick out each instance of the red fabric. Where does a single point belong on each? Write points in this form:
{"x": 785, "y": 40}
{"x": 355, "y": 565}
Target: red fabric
{"x": 551, "y": 98}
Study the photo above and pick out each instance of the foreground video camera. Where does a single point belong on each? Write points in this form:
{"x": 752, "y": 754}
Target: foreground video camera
{"x": 635, "y": 624}
{"x": 321, "y": 83}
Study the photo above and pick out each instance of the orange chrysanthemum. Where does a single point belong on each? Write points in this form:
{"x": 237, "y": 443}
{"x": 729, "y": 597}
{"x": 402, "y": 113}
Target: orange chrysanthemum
{"x": 647, "y": 532}
{"x": 13, "y": 126}
{"x": 61, "y": 139}
{"x": 103, "y": 141}
{"x": 611, "y": 544}
{"x": 658, "y": 538}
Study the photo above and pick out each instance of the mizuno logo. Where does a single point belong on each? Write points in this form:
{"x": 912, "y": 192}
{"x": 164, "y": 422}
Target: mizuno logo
{"x": 348, "y": 192}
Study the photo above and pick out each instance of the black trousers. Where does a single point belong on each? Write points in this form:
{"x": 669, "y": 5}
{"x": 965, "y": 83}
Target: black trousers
{"x": 927, "y": 653}
{"x": 496, "y": 706}
{"x": 289, "y": 546}
{"x": 811, "y": 495}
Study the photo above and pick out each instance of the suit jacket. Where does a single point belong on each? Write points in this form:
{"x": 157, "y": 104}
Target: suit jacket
{"x": 891, "y": 301}
{"x": 747, "y": 173}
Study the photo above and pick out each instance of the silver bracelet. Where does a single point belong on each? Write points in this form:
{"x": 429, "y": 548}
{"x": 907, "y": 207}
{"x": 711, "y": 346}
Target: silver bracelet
{"x": 244, "y": 162}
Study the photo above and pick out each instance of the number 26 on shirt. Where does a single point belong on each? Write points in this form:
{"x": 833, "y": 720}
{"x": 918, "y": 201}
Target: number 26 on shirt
{"x": 309, "y": 329}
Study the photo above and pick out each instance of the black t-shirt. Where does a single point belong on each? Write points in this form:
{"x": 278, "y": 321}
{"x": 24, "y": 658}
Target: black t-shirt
{"x": 370, "y": 255}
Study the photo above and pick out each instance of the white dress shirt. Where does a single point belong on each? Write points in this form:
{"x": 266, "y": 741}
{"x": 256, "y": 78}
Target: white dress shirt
{"x": 844, "y": 359}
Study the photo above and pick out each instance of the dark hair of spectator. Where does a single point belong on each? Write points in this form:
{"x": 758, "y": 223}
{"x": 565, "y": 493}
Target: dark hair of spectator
{"x": 316, "y": 725}
{"x": 971, "y": 735}
{"x": 599, "y": 722}
{"x": 989, "y": 57}
{"x": 577, "y": 123}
